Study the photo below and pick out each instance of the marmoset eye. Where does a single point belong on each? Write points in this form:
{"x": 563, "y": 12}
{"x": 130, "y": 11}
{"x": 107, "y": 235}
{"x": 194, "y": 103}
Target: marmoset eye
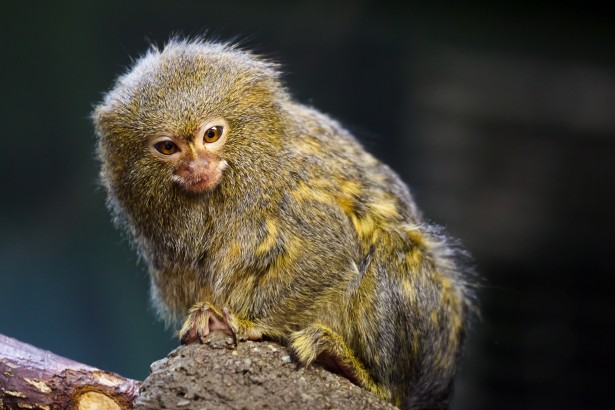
{"x": 213, "y": 134}
{"x": 166, "y": 147}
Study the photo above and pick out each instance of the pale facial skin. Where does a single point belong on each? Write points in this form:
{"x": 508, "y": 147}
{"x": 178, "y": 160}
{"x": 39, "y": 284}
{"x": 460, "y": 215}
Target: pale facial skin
{"x": 195, "y": 158}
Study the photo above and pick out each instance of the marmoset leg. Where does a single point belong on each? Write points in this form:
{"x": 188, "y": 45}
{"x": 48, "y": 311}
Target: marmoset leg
{"x": 321, "y": 344}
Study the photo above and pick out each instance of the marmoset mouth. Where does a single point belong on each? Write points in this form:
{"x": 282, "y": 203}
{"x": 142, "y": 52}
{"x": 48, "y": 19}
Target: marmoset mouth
{"x": 196, "y": 184}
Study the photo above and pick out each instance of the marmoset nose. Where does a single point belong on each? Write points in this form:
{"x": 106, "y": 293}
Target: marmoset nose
{"x": 199, "y": 162}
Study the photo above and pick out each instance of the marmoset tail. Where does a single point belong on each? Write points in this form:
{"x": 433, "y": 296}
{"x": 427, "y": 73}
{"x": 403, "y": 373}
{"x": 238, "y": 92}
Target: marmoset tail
{"x": 262, "y": 216}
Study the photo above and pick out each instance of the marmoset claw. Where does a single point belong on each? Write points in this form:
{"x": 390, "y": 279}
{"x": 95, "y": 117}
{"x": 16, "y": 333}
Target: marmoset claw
{"x": 202, "y": 319}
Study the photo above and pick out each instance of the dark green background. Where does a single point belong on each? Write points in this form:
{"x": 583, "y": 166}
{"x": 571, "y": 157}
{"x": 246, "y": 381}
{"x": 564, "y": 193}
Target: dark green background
{"x": 501, "y": 119}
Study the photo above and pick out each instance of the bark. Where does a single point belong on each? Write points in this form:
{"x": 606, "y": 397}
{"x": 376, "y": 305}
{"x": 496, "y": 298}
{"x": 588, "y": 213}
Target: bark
{"x": 212, "y": 375}
{"x": 253, "y": 375}
{"x": 37, "y": 379}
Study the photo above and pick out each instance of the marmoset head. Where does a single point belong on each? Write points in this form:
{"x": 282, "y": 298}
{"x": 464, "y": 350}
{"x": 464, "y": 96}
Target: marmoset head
{"x": 184, "y": 117}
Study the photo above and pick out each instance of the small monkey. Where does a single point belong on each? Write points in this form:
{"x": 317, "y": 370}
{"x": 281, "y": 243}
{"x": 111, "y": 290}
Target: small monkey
{"x": 263, "y": 217}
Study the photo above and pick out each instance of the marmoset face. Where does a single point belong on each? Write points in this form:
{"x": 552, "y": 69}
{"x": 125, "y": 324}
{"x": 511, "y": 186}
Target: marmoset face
{"x": 196, "y": 159}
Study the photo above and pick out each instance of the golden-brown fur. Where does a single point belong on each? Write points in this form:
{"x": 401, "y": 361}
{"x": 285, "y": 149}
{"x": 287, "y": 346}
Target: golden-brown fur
{"x": 306, "y": 238}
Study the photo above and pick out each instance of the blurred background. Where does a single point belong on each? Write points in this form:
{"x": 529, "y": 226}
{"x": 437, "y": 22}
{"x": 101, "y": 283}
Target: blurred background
{"x": 500, "y": 118}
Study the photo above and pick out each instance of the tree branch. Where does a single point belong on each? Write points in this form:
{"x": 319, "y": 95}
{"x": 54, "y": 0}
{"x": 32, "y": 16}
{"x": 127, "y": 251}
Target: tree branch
{"x": 34, "y": 378}
{"x": 213, "y": 375}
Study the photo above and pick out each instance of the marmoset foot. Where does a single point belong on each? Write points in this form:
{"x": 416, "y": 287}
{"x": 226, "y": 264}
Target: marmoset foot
{"x": 202, "y": 319}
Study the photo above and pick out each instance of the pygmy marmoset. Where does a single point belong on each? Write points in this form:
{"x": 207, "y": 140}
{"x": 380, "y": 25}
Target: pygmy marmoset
{"x": 264, "y": 217}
